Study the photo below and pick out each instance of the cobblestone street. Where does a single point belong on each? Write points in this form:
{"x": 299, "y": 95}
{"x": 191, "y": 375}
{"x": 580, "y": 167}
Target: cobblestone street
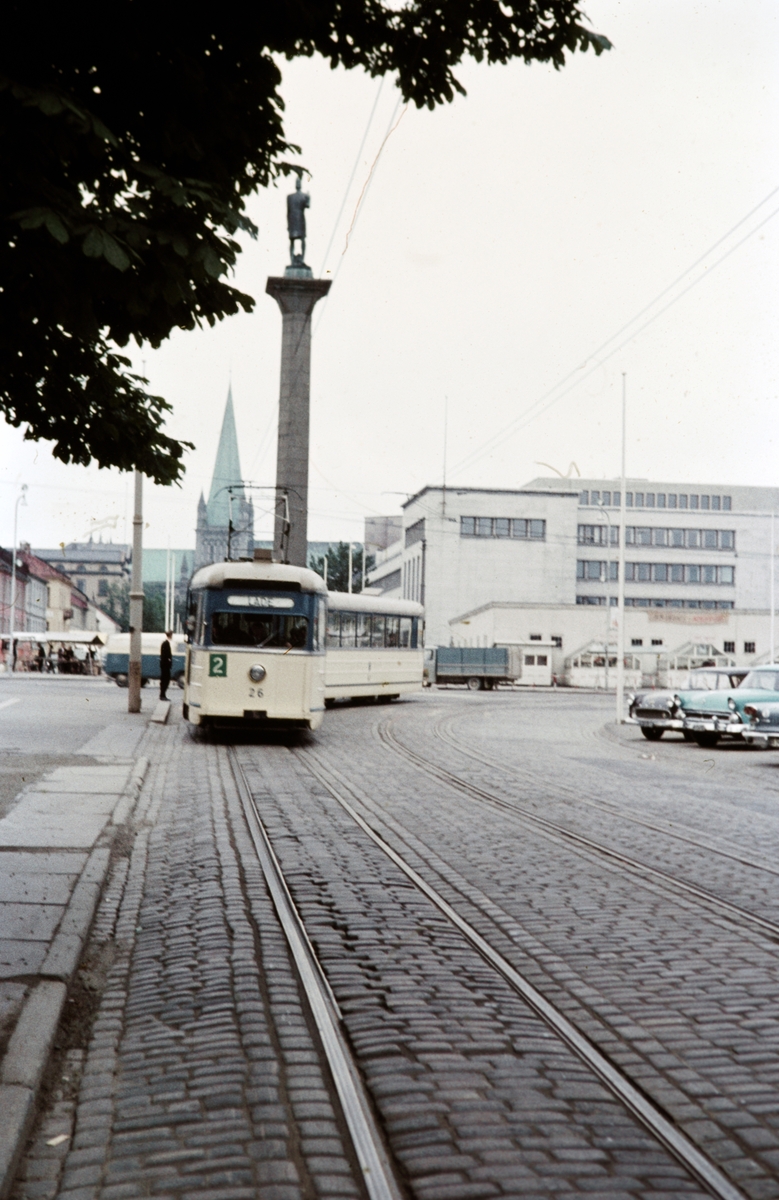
{"x": 633, "y": 889}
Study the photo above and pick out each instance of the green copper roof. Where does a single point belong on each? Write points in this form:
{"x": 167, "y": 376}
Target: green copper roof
{"x": 227, "y": 469}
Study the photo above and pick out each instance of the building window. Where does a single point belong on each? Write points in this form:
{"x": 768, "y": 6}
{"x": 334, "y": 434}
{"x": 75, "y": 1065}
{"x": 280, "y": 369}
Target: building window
{"x": 636, "y": 641}
{"x": 102, "y": 587}
{"x": 607, "y": 499}
{"x": 535, "y": 637}
{"x": 749, "y": 647}
{"x": 729, "y": 647}
{"x": 530, "y": 660}
{"x": 519, "y": 528}
{"x": 557, "y": 641}
{"x": 643, "y": 572}
{"x": 726, "y": 503}
{"x": 467, "y": 526}
{"x": 727, "y": 539}
{"x": 682, "y": 501}
{"x": 692, "y": 574}
{"x": 661, "y": 499}
{"x": 629, "y": 499}
{"x": 591, "y": 600}
{"x": 541, "y": 660}
{"x": 661, "y": 537}
{"x": 715, "y": 503}
{"x": 693, "y": 539}
{"x": 693, "y": 501}
{"x": 616, "y": 499}
{"x": 726, "y": 575}
{"x": 538, "y": 529}
{"x": 81, "y": 583}
{"x": 584, "y": 498}
{"x": 709, "y": 574}
{"x": 657, "y": 641}
{"x": 709, "y": 539}
{"x": 672, "y": 499}
{"x": 643, "y": 537}
{"x": 705, "y": 502}
{"x": 660, "y": 573}
{"x": 639, "y": 499}
{"x": 594, "y": 497}
{"x": 650, "y": 500}
{"x": 677, "y": 573}
{"x": 502, "y": 527}
{"x": 483, "y": 526}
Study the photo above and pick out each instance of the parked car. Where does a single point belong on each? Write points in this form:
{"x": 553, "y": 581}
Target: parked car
{"x": 763, "y": 728}
{"x": 659, "y": 709}
{"x": 721, "y": 714}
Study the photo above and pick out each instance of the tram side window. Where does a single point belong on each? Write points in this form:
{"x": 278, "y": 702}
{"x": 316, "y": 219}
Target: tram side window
{"x": 377, "y": 630}
{"x": 363, "y": 629}
{"x": 392, "y": 636}
{"x": 334, "y": 629}
{"x": 405, "y": 632}
{"x": 416, "y": 632}
{"x": 348, "y": 628}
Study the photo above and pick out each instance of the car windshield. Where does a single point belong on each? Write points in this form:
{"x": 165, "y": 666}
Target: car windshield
{"x": 765, "y": 680}
{"x": 712, "y": 681}
{"x": 270, "y": 630}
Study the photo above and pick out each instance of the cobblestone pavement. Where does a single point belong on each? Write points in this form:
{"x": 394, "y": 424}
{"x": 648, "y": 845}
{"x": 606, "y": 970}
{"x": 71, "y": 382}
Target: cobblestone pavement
{"x": 683, "y": 999}
{"x": 202, "y": 1078}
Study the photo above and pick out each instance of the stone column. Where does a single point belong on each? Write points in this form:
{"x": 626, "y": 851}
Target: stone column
{"x": 296, "y": 293}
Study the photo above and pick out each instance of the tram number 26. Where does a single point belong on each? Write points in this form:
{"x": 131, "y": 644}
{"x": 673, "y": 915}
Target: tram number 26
{"x": 217, "y": 665}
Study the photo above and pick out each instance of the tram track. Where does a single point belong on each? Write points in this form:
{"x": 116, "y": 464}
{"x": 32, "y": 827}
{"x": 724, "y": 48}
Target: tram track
{"x": 741, "y": 917}
{"x": 378, "y": 1174}
{"x": 641, "y": 1106}
{"x": 444, "y": 732}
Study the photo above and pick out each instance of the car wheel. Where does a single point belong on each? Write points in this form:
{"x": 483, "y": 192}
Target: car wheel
{"x": 121, "y": 680}
{"x": 706, "y": 740}
{"x": 651, "y": 733}
{"x": 474, "y": 684}
{"x": 688, "y": 735}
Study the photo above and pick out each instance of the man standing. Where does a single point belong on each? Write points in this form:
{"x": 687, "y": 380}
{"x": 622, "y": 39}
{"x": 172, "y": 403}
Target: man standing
{"x": 166, "y": 661}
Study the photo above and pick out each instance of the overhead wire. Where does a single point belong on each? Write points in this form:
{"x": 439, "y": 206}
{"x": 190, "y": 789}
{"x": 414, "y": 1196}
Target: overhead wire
{"x": 554, "y": 394}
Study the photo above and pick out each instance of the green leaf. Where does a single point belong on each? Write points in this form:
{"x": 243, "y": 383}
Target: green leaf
{"x": 114, "y": 253}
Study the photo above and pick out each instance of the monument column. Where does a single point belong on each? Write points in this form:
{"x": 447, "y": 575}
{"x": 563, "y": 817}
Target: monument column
{"x": 296, "y": 293}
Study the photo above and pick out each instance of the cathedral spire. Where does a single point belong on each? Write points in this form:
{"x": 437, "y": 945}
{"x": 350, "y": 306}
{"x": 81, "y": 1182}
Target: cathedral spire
{"x": 227, "y": 469}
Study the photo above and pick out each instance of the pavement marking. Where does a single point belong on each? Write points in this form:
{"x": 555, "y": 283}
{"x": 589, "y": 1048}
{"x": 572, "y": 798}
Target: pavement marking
{"x": 8, "y": 703}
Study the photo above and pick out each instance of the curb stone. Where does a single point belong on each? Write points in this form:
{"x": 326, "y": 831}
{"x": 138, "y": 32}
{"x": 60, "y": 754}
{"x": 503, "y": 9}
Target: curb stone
{"x": 31, "y": 1042}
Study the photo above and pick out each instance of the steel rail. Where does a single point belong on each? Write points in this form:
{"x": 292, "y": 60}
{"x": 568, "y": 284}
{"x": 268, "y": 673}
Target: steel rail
{"x": 643, "y": 1109}
{"x": 732, "y": 912}
{"x": 588, "y": 799}
{"x": 372, "y": 1155}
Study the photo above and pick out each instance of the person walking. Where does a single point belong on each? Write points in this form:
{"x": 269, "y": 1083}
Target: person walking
{"x": 166, "y": 661}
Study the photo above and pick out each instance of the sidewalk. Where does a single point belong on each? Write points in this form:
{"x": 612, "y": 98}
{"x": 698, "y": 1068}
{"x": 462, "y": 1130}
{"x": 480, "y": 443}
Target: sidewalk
{"x": 55, "y": 850}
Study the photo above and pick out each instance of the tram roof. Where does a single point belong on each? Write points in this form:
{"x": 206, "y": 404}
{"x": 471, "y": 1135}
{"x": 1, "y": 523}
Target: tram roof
{"x": 357, "y": 602}
{"x": 256, "y": 574}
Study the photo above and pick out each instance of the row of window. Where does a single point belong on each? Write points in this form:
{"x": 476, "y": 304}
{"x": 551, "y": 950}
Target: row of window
{"x": 502, "y": 527}
{"x": 641, "y": 602}
{"x": 645, "y": 535}
{"x": 656, "y": 572}
{"x": 658, "y": 500}
{"x": 370, "y": 629}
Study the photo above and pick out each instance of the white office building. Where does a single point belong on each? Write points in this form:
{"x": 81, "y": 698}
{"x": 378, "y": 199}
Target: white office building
{"x": 540, "y": 564}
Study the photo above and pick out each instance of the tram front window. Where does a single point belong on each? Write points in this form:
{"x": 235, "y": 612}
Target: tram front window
{"x": 270, "y": 631}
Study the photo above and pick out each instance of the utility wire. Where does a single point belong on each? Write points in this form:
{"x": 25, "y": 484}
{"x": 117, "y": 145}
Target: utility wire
{"x": 529, "y": 415}
{"x": 351, "y": 178}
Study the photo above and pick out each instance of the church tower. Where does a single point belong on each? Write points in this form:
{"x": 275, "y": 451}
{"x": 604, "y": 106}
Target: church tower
{"x": 213, "y": 518}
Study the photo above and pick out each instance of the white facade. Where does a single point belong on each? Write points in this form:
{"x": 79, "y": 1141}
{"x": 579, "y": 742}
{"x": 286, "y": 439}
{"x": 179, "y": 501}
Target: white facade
{"x": 698, "y": 563}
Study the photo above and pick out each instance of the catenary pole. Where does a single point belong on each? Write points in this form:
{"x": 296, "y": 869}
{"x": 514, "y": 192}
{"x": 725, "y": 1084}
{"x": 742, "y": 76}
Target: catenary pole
{"x": 136, "y": 602}
{"x": 773, "y": 606}
{"x": 350, "y": 567}
{"x": 621, "y": 579}
{"x": 20, "y": 499}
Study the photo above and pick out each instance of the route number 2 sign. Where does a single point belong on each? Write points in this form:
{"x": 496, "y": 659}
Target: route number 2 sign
{"x": 217, "y": 665}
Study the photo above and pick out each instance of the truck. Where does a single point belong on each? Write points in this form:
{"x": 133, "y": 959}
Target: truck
{"x": 479, "y": 668}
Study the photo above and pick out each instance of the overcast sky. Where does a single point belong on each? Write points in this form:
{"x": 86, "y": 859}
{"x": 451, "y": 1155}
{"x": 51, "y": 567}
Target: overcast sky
{"x": 501, "y": 241}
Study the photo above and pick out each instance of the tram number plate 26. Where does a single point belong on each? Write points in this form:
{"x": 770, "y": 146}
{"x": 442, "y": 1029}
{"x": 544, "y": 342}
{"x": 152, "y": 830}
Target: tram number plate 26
{"x": 217, "y": 665}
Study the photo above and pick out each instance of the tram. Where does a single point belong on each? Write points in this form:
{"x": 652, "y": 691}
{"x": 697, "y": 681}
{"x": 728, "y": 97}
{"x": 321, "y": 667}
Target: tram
{"x": 374, "y": 647}
{"x": 256, "y": 652}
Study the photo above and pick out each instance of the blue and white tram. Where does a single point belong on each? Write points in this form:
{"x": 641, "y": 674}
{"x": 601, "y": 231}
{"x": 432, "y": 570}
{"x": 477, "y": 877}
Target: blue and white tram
{"x": 374, "y": 647}
{"x": 256, "y": 653}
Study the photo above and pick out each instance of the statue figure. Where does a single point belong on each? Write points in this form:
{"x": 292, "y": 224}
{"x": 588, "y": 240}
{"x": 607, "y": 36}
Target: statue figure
{"x": 297, "y": 203}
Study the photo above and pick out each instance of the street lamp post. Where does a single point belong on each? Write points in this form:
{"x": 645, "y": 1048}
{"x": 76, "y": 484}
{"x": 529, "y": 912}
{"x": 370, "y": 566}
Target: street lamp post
{"x": 606, "y": 573}
{"x": 20, "y": 499}
{"x": 135, "y": 680}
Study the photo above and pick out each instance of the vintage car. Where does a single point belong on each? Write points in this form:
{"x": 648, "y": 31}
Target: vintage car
{"x": 763, "y": 728}
{"x": 660, "y": 709}
{"x": 721, "y": 714}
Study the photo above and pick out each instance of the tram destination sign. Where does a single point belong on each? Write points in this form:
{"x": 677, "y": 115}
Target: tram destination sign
{"x": 254, "y": 601}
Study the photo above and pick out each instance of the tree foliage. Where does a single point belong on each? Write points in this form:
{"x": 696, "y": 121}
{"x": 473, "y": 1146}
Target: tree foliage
{"x": 128, "y": 147}
{"x": 337, "y": 573}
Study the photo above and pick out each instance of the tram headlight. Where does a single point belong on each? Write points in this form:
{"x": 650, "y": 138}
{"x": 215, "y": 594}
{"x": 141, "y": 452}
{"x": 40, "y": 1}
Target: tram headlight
{"x": 257, "y": 673}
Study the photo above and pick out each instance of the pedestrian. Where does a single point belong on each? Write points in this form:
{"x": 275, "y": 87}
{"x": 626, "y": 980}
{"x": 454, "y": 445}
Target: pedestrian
{"x": 166, "y": 662}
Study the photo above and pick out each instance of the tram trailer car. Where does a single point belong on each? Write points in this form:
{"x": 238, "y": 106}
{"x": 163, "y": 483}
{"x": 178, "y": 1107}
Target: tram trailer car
{"x": 256, "y": 653}
{"x": 374, "y": 647}
{"x": 116, "y": 657}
